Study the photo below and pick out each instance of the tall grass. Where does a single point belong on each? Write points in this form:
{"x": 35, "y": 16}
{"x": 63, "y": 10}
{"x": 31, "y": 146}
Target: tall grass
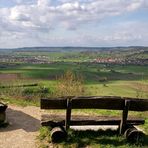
{"x": 70, "y": 84}
{"x": 24, "y": 90}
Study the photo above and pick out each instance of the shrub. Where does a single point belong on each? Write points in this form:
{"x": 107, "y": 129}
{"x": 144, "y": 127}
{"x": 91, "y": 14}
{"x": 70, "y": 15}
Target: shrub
{"x": 70, "y": 84}
{"x": 103, "y": 79}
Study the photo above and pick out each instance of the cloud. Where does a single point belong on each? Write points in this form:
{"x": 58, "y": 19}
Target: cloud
{"x": 135, "y": 5}
{"x": 43, "y": 3}
{"x": 19, "y": 14}
{"x": 69, "y": 14}
{"x": 46, "y": 16}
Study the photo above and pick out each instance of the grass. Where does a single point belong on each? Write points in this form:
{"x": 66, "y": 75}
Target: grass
{"x": 129, "y": 81}
{"x": 119, "y": 88}
{"x": 19, "y": 102}
{"x": 118, "y": 78}
{"x": 92, "y": 139}
{"x": 45, "y": 70}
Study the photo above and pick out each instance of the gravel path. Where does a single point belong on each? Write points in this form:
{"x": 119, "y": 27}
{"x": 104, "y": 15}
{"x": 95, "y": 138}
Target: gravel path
{"x": 23, "y": 129}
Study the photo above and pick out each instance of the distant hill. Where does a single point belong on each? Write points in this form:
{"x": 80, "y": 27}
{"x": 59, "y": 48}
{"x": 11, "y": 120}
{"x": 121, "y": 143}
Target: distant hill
{"x": 65, "y": 49}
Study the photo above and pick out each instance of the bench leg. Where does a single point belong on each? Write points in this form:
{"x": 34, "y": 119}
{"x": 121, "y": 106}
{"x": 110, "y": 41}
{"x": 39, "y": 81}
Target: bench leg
{"x": 68, "y": 114}
{"x": 123, "y": 124}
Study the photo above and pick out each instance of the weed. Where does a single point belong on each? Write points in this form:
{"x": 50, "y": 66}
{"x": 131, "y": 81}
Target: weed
{"x": 70, "y": 84}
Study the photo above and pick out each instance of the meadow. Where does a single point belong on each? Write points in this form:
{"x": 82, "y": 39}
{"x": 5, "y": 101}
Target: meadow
{"x": 25, "y": 83}
{"x": 99, "y": 79}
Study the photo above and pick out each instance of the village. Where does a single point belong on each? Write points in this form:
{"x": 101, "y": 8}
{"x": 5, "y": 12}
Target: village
{"x": 24, "y": 59}
{"x": 46, "y": 60}
{"x": 121, "y": 61}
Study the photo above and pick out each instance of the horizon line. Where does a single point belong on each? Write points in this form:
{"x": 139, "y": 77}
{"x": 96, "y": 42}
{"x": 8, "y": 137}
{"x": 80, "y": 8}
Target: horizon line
{"x": 73, "y": 47}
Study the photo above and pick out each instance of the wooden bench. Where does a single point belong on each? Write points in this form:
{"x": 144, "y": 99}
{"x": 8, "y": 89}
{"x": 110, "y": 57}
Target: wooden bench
{"x": 61, "y": 124}
{"x": 3, "y": 108}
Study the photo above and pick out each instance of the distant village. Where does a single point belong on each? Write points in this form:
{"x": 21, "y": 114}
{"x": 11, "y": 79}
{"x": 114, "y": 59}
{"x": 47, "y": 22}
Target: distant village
{"x": 45, "y": 60}
{"x": 121, "y": 61}
{"x": 25, "y": 59}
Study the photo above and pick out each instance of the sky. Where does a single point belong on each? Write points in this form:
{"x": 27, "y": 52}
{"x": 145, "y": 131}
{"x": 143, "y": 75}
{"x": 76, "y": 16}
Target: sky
{"x": 97, "y": 23}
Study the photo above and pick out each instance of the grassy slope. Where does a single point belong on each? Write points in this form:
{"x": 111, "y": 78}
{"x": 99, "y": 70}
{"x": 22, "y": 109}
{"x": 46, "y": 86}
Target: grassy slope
{"x": 119, "y": 78}
{"x": 128, "y": 81}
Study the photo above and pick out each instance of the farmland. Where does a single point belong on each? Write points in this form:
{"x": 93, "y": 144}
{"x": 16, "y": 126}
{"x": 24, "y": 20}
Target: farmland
{"x": 105, "y": 71}
{"x": 121, "y": 77}
{"x": 26, "y": 75}
{"x": 31, "y": 73}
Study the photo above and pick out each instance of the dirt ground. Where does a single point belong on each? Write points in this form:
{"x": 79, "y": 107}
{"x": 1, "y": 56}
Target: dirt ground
{"x": 10, "y": 76}
{"x": 23, "y": 129}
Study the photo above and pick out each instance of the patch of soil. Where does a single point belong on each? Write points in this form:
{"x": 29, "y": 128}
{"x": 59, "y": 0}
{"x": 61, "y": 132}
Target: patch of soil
{"x": 9, "y": 76}
{"x": 139, "y": 86}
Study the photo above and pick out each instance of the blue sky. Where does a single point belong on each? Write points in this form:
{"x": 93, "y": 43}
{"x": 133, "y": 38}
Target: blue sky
{"x": 73, "y": 23}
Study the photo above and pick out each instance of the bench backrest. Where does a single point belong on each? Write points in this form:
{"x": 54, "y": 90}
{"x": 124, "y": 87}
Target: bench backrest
{"x": 95, "y": 102}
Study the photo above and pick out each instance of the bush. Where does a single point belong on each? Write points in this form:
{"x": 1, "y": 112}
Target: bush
{"x": 103, "y": 79}
{"x": 70, "y": 84}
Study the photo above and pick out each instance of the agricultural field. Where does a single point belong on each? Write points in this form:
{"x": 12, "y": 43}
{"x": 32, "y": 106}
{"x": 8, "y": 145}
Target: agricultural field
{"x": 98, "y": 79}
{"x": 28, "y": 75}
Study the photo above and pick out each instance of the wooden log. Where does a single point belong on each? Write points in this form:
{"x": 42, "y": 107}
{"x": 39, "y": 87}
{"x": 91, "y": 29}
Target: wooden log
{"x": 133, "y": 135}
{"x": 54, "y": 103}
{"x": 112, "y": 103}
{"x": 58, "y": 134}
{"x": 124, "y": 117}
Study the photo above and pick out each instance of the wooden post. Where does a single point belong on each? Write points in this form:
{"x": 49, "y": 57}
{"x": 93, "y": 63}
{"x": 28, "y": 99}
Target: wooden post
{"x": 133, "y": 135}
{"x": 124, "y": 117}
{"x": 58, "y": 134}
{"x": 68, "y": 113}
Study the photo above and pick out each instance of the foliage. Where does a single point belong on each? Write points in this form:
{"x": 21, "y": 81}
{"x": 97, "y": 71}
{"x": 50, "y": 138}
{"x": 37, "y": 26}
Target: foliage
{"x": 28, "y": 92}
{"x": 70, "y": 84}
{"x": 44, "y": 132}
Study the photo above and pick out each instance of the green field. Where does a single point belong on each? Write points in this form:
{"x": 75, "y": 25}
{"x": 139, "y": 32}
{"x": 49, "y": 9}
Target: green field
{"x": 25, "y": 84}
{"x": 99, "y": 79}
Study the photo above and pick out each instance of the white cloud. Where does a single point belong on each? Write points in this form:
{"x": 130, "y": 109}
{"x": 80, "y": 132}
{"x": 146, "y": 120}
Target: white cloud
{"x": 42, "y": 3}
{"x": 42, "y": 16}
{"x": 135, "y": 5}
{"x": 19, "y": 14}
{"x": 70, "y": 13}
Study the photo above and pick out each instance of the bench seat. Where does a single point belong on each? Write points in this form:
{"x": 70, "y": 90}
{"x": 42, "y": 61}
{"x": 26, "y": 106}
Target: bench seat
{"x": 79, "y": 120}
